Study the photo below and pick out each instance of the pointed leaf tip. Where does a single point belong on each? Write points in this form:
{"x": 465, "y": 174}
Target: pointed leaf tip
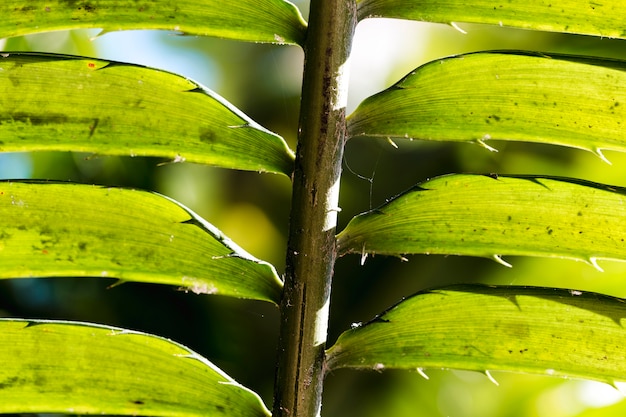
{"x": 492, "y": 379}
{"x": 422, "y": 373}
{"x": 501, "y": 261}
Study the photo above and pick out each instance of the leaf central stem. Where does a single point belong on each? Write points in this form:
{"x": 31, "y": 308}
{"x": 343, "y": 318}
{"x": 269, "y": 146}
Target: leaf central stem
{"x": 311, "y": 249}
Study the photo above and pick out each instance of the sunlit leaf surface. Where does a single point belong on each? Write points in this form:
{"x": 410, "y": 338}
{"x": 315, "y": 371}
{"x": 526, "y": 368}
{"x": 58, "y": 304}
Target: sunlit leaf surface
{"x": 533, "y": 330}
{"x": 573, "y": 16}
{"x": 275, "y": 21}
{"x": 488, "y": 216}
{"x": 562, "y": 100}
{"x": 52, "y": 102}
{"x": 60, "y": 230}
{"x": 79, "y": 368}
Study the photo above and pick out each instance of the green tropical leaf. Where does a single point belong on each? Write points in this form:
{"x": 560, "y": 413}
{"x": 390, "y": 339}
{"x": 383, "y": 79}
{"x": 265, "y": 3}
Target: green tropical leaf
{"x": 490, "y": 215}
{"x": 563, "y": 100}
{"x": 275, "y": 21}
{"x": 60, "y": 230}
{"x": 531, "y": 330}
{"x": 570, "y": 16}
{"x": 54, "y": 102}
{"x": 80, "y": 368}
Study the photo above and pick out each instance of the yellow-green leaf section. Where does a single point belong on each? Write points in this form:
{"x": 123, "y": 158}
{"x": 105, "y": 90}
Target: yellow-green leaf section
{"x": 62, "y": 103}
{"x": 81, "y": 368}
{"x": 275, "y": 21}
{"x": 490, "y": 215}
{"x": 62, "y": 229}
{"x": 573, "y": 16}
{"x": 545, "y": 331}
{"x": 563, "y": 100}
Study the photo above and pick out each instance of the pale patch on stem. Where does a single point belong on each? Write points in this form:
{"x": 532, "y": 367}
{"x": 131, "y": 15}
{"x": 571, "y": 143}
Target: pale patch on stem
{"x": 332, "y": 208}
{"x": 321, "y": 323}
{"x": 339, "y": 100}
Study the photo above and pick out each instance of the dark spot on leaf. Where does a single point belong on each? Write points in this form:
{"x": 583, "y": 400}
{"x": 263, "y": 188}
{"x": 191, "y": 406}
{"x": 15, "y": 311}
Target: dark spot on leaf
{"x": 11, "y": 382}
{"x": 35, "y": 119}
{"x": 138, "y": 402}
{"x": 40, "y": 380}
{"x": 93, "y": 127}
{"x": 67, "y": 388}
{"x": 207, "y": 135}
{"x": 89, "y": 8}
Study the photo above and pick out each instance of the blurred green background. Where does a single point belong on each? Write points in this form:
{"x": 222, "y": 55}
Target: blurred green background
{"x": 240, "y": 336}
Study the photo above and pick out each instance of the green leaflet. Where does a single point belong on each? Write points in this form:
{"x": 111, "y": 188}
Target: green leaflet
{"x": 532, "y": 330}
{"x": 573, "y": 16}
{"x": 53, "y": 102}
{"x": 275, "y": 21}
{"x": 558, "y": 99}
{"x": 52, "y": 230}
{"x": 489, "y": 216}
{"x": 80, "y": 368}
